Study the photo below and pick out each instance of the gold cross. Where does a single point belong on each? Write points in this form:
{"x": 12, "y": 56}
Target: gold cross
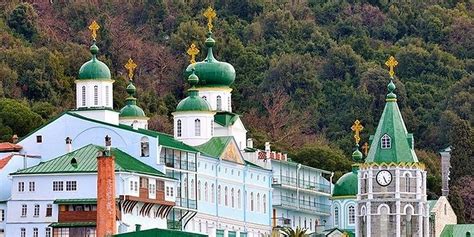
{"x": 130, "y": 66}
{"x": 94, "y": 27}
{"x": 365, "y": 148}
{"x": 391, "y": 63}
{"x": 210, "y": 14}
{"x": 192, "y": 51}
{"x": 357, "y": 127}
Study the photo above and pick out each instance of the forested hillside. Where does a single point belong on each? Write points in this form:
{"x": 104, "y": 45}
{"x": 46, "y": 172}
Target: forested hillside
{"x": 305, "y": 70}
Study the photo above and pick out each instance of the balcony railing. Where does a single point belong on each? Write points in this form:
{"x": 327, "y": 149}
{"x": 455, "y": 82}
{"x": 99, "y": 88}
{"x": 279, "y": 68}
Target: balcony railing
{"x": 186, "y": 203}
{"x": 77, "y": 216}
{"x": 174, "y": 225}
{"x": 303, "y": 184}
{"x": 303, "y": 205}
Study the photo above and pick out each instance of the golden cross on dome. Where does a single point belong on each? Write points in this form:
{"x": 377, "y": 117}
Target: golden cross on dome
{"x": 210, "y": 14}
{"x": 192, "y": 51}
{"x": 365, "y": 148}
{"x": 391, "y": 64}
{"x": 357, "y": 127}
{"x": 94, "y": 27}
{"x": 130, "y": 66}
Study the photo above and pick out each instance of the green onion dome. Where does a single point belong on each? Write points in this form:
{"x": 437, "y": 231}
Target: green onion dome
{"x": 391, "y": 87}
{"x": 193, "y": 102}
{"x": 347, "y": 184}
{"x": 94, "y": 68}
{"x": 357, "y": 155}
{"x": 131, "y": 110}
{"x": 211, "y": 72}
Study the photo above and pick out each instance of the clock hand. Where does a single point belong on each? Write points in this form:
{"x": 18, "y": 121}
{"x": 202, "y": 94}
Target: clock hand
{"x": 385, "y": 179}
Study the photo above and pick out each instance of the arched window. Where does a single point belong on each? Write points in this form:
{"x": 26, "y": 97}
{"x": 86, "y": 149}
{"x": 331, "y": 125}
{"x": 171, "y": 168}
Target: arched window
{"x": 351, "y": 211}
{"x": 83, "y": 96}
{"x": 232, "y": 199}
{"x": 192, "y": 189}
{"x": 107, "y": 95}
{"x": 258, "y": 203}
{"x": 468, "y": 234}
{"x": 384, "y": 220}
{"x": 407, "y": 182}
{"x": 199, "y": 190}
{"x": 36, "y": 211}
{"x": 228, "y": 104}
{"x": 219, "y": 103}
{"x": 219, "y": 195}
{"x": 145, "y": 147}
{"x": 226, "y": 194}
{"x": 408, "y": 219}
{"x": 185, "y": 188}
{"x": 238, "y": 199}
{"x": 212, "y": 127}
{"x": 178, "y": 128}
{"x": 96, "y": 95}
{"x": 206, "y": 192}
{"x": 197, "y": 127}
{"x": 212, "y": 193}
{"x": 264, "y": 203}
{"x": 336, "y": 216}
{"x": 251, "y": 201}
{"x": 205, "y": 98}
{"x": 386, "y": 142}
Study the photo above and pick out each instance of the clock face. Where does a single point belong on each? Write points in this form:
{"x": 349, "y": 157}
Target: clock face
{"x": 384, "y": 178}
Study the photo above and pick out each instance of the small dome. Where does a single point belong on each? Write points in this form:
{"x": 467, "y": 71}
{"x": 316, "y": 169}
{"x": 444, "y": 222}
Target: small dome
{"x": 211, "y": 72}
{"x": 94, "y": 68}
{"x": 132, "y": 110}
{"x": 193, "y": 103}
{"x": 357, "y": 156}
{"x": 347, "y": 184}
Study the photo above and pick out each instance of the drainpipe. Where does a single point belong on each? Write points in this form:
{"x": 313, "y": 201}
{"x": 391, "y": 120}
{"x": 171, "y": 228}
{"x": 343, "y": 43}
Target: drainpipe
{"x": 298, "y": 184}
{"x": 219, "y": 193}
{"x": 330, "y": 182}
{"x": 244, "y": 195}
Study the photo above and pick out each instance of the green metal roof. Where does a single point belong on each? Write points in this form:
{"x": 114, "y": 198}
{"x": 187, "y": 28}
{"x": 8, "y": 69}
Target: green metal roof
{"x": 76, "y": 201}
{"x": 432, "y": 203}
{"x": 73, "y": 224}
{"x": 347, "y": 184}
{"x": 193, "y": 103}
{"x": 165, "y": 140}
{"x": 84, "y": 160}
{"x": 215, "y": 146}
{"x": 458, "y": 230}
{"x": 225, "y": 118}
{"x": 131, "y": 109}
{"x": 211, "y": 72}
{"x": 94, "y": 68}
{"x": 391, "y": 123}
{"x": 160, "y": 233}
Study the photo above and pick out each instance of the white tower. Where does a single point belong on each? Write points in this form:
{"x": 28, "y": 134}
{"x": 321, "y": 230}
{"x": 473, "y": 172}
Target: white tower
{"x": 193, "y": 119}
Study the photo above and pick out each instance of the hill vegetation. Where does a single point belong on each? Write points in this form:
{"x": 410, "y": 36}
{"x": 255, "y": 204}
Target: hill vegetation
{"x": 305, "y": 71}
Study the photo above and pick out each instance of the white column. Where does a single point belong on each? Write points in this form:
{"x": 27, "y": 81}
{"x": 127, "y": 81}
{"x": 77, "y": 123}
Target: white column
{"x": 370, "y": 195}
{"x": 398, "y": 211}
{"x": 420, "y": 219}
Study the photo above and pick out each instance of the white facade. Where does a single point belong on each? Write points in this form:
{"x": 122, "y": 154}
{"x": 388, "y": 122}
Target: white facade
{"x": 219, "y": 98}
{"x": 94, "y": 93}
{"x": 193, "y": 127}
{"x": 136, "y": 123}
{"x": 237, "y": 130}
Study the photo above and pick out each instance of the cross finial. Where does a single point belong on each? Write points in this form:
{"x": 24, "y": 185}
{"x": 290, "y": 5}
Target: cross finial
{"x": 357, "y": 127}
{"x": 130, "y": 66}
{"x": 391, "y": 64}
{"x": 192, "y": 51}
{"x": 365, "y": 148}
{"x": 94, "y": 27}
{"x": 210, "y": 14}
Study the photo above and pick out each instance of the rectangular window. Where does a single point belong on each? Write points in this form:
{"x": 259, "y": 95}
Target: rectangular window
{"x": 58, "y": 185}
{"x": 71, "y": 185}
{"x": 39, "y": 139}
{"x": 32, "y": 186}
{"x": 136, "y": 186}
{"x": 131, "y": 185}
{"x": 167, "y": 191}
{"x": 2, "y": 215}
{"x": 171, "y": 192}
{"x": 47, "y": 232}
{"x": 21, "y": 186}
{"x": 107, "y": 95}
{"x": 23, "y": 232}
{"x": 24, "y": 210}
{"x": 35, "y": 232}
{"x": 96, "y": 95}
{"x": 36, "y": 210}
{"x": 49, "y": 210}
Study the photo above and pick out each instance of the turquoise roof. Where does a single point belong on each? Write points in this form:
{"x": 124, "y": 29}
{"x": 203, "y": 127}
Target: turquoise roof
{"x": 94, "y": 68}
{"x": 458, "y": 230}
{"x": 84, "y": 160}
{"x": 225, "y": 118}
{"x": 346, "y": 185}
{"x": 215, "y": 146}
{"x": 160, "y": 233}
{"x": 131, "y": 110}
{"x": 391, "y": 124}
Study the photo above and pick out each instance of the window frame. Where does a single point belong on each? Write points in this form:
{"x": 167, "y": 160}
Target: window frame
{"x": 385, "y": 142}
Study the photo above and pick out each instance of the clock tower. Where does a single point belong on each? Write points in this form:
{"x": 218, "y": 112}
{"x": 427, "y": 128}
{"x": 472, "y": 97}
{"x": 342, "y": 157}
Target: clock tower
{"x": 391, "y": 199}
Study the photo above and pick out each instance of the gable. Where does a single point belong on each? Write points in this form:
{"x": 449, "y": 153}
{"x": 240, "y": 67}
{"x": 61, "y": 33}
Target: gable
{"x": 232, "y": 153}
{"x": 224, "y": 148}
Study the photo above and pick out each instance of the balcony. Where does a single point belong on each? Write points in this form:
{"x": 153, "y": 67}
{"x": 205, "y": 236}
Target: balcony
{"x": 174, "y": 225}
{"x": 186, "y": 203}
{"x": 283, "y": 222}
{"x": 77, "y": 216}
{"x": 289, "y": 202}
{"x": 307, "y": 185}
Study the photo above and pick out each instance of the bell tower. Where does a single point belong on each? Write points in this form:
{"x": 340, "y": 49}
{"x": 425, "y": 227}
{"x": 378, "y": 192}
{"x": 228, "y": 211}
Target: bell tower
{"x": 391, "y": 199}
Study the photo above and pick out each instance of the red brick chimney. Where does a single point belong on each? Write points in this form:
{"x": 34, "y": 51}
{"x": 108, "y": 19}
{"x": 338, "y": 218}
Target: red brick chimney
{"x": 106, "y": 209}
